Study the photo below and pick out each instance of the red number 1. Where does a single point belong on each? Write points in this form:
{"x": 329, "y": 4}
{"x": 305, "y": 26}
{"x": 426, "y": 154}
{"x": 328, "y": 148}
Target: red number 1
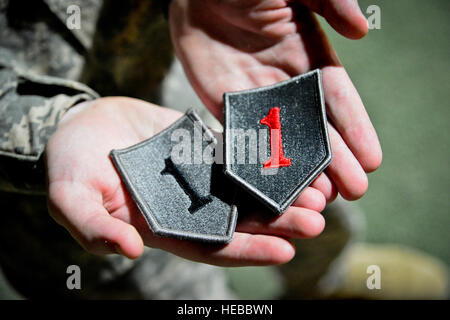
{"x": 277, "y": 158}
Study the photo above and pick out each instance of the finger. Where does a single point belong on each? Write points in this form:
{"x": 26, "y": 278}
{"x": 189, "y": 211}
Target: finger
{"x": 296, "y": 222}
{"x": 279, "y": 250}
{"x": 75, "y": 208}
{"x": 344, "y": 16}
{"x": 346, "y": 172}
{"x": 347, "y": 112}
{"x": 324, "y": 184}
{"x": 244, "y": 250}
{"x": 311, "y": 198}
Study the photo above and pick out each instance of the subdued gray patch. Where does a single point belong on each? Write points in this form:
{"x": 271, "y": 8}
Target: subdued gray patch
{"x": 304, "y": 138}
{"x": 164, "y": 201}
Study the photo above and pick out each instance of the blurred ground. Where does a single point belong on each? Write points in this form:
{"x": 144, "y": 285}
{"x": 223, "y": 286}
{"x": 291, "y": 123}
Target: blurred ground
{"x": 401, "y": 73}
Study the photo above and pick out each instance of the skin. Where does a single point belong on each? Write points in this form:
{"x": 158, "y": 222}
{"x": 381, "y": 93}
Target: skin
{"x": 225, "y": 45}
{"x": 87, "y": 197}
{"x": 230, "y": 45}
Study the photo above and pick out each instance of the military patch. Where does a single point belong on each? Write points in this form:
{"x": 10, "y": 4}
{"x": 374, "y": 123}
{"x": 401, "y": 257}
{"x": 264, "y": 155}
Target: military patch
{"x": 177, "y": 186}
{"x": 276, "y": 139}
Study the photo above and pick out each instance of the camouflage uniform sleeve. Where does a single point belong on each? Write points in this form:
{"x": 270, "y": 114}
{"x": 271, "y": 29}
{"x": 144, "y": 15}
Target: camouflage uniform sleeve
{"x": 31, "y": 106}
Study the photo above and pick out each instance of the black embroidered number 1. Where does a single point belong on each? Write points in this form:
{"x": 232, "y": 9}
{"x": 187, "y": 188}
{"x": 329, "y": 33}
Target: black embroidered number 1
{"x": 197, "y": 201}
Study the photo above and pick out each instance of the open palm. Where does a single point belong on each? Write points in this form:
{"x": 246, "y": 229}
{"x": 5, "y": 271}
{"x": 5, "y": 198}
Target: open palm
{"x": 87, "y": 197}
{"x": 231, "y": 45}
{"x": 224, "y": 45}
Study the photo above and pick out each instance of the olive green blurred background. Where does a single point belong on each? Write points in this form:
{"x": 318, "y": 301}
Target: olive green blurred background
{"x": 402, "y": 74}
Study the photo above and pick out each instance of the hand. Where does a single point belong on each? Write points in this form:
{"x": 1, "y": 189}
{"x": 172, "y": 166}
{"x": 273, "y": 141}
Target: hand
{"x": 87, "y": 197}
{"x": 230, "y": 45}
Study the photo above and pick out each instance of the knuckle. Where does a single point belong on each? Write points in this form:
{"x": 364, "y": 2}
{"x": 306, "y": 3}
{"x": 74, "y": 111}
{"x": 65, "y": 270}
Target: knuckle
{"x": 341, "y": 95}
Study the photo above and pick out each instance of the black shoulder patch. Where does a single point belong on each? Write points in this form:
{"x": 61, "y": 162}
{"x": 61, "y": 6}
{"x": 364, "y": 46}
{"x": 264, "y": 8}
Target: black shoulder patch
{"x": 180, "y": 195}
{"x": 276, "y": 139}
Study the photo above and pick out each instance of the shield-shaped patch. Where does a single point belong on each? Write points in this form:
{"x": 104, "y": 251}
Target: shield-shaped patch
{"x": 276, "y": 139}
{"x": 180, "y": 193}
